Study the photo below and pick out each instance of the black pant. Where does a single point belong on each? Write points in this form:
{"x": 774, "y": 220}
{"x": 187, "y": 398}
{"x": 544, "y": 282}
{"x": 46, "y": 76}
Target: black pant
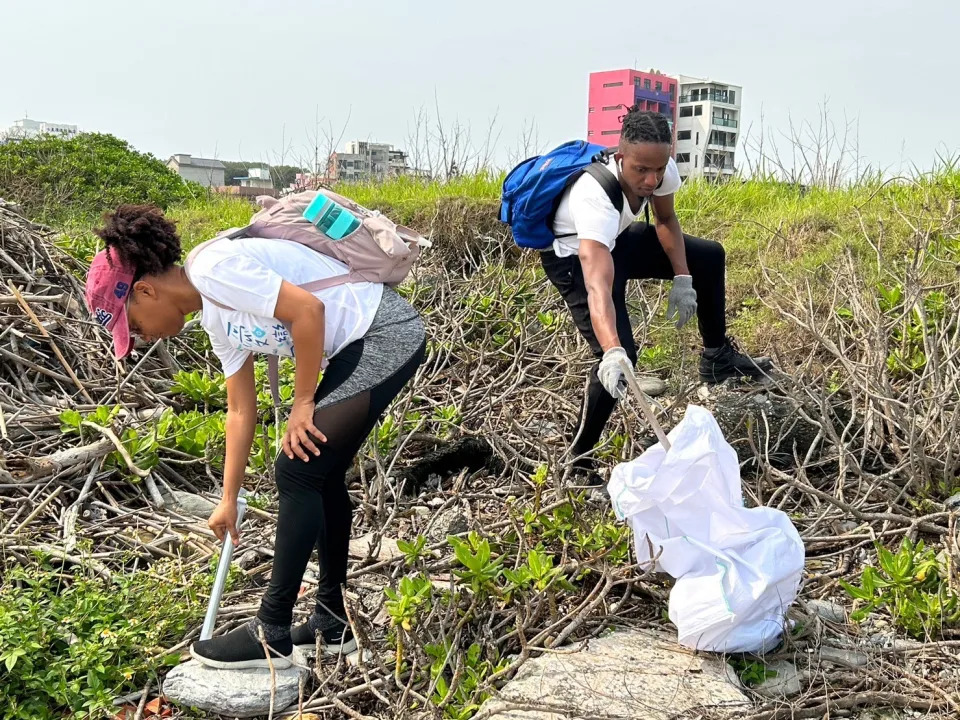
{"x": 638, "y": 255}
{"x": 315, "y": 508}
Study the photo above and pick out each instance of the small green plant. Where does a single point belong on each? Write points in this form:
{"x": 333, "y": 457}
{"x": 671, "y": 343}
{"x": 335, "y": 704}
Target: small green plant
{"x": 414, "y": 551}
{"x": 607, "y": 538}
{"x": 614, "y": 450}
{"x": 264, "y": 446}
{"x": 480, "y": 569}
{"x": 448, "y": 417}
{"x": 538, "y": 574}
{"x": 201, "y": 388}
{"x": 385, "y": 435}
{"x": 460, "y": 699}
{"x": 751, "y": 672}
{"x": 71, "y": 421}
{"x": 412, "y": 596}
{"x": 909, "y": 584}
{"x": 554, "y": 526}
{"x": 653, "y": 357}
{"x": 549, "y": 320}
{"x": 403, "y": 604}
{"x": 539, "y": 480}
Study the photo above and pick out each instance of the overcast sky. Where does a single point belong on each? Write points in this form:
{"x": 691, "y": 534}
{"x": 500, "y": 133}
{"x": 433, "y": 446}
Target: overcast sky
{"x": 242, "y": 80}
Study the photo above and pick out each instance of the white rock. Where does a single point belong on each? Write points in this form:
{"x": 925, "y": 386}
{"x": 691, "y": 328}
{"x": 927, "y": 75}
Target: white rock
{"x": 188, "y": 503}
{"x": 635, "y": 673}
{"x": 847, "y": 658}
{"x": 360, "y": 548}
{"x": 831, "y": 612}
{"x": 785, "y": 684}
{"x": 651, "y": 386}
{"x": 233, "y": 693}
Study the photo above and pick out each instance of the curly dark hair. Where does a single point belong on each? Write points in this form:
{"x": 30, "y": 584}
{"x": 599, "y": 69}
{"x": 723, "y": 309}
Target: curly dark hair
{"x": 645, "y": 126}
{"x": 142, "y": 236}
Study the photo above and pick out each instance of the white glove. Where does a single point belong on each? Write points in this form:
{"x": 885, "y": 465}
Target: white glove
{"x": 610, "y": 371}
{"x": 682, "y": 302}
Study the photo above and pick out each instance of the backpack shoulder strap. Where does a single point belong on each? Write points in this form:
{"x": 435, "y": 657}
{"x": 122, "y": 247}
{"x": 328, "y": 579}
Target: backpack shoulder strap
{"x": 608, "y": 181}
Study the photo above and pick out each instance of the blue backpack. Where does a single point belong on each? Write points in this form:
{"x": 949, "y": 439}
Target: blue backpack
{"x": 533, "y": 189}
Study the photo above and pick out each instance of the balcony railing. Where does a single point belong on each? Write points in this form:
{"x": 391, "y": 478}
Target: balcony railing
{"x": 704, "y": 97}
{"x": 723, "y": 122}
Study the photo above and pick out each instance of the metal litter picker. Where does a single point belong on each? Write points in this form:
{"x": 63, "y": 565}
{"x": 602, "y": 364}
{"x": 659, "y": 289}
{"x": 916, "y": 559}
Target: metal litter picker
{"x": 223, "y": 568}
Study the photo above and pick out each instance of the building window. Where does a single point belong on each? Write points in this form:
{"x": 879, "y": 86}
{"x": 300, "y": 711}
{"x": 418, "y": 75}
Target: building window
{"x": 616, "y": 84}
{"x": 658, "y": 87}
{"x": 683, "y": 135}
{"x": 698, "y": 109}
{"x": 694, "y": 160}
{"x": 697, "y": 142}
{"x": 686, "y": 111}
{"x": 589, "y": 133}
{"x": 610, "y": 132}
{"x": 683, "y": 157}
{"x": 673, "y": 91}
{"x": 646, "y": 84}
{"x": 733, "y": 97}
{"x": 592, "y": 109}
{"x": 612, "y": 107}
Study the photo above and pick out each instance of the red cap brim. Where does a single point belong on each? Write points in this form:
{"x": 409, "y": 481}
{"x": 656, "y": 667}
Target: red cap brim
{"x": 122, "y": 339}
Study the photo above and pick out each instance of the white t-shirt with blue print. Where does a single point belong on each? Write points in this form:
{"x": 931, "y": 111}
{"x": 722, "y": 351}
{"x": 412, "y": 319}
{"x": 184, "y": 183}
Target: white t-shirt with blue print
{"x": 245, "y": 275}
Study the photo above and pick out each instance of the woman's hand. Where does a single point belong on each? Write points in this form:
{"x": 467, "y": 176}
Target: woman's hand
{"x": 297, "y": 439}
{"x": 223, "y": 520}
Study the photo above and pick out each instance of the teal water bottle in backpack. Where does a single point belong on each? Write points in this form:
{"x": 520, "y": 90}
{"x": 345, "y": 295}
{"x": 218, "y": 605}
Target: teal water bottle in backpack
{"x": 331, "y": 218}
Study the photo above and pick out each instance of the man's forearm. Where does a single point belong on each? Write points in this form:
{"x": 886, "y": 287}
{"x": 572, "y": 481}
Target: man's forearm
{"x": 671, "y": 239}
{"x": 603, "y": 317}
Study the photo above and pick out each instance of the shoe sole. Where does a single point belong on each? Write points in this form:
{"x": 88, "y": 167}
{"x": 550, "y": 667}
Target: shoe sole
{"x": 279, "y": 662}
{"x": 715, "y": 379}
{"x": 330, "y": 650}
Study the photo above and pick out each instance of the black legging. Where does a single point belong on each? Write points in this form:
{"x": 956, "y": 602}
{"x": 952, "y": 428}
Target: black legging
{"x": 315, "y": 508}
{"x": 638, "y": 255}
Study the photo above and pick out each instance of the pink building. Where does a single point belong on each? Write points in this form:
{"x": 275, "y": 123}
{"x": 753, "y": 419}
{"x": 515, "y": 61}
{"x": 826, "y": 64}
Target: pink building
{"x": 614, "y": 91}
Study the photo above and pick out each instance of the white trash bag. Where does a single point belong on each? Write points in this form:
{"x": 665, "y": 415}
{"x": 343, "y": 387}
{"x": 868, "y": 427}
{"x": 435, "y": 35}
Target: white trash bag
{"x": 738, "y": 569}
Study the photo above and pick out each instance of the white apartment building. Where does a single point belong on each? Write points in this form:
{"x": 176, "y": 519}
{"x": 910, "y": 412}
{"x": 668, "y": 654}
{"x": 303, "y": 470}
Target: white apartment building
{"x": 206, "y": 171}
{"x": 708, "y": 127}
{"x": 27, "y": 128}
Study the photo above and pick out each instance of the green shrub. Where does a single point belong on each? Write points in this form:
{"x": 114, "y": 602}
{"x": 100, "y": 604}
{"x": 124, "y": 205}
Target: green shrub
{"x": 911, "y": 585}
{"x": 63, "y": 181}
{"x": 70, "y": 644}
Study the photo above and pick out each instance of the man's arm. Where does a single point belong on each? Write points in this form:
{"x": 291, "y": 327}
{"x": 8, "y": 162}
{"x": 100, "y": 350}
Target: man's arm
{"x": 597, "y": 263}
{"x": 669, "y": 233}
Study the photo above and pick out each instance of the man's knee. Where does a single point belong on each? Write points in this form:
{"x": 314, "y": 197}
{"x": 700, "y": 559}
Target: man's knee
{"x": 705, "y": 256}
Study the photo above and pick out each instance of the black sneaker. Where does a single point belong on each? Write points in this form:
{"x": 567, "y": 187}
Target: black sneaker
{"x": 729, "y": 362}
{"x": 335, "y": 636}
{"x": 241, "y": 648}
{"x": 584, "y": 474}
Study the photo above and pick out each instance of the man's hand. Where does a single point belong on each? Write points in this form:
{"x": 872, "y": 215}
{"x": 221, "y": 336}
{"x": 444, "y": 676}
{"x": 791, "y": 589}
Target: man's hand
{"x": 610, "y": 371}
{"x": 682, "y": 303}
{"x": 297, "y": 439}
{"x": 223, "y": 520}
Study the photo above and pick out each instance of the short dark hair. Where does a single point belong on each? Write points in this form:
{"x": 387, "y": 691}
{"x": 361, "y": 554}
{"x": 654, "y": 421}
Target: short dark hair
{"x": 645, "y": 126}
{"x": 142, "y": 236}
